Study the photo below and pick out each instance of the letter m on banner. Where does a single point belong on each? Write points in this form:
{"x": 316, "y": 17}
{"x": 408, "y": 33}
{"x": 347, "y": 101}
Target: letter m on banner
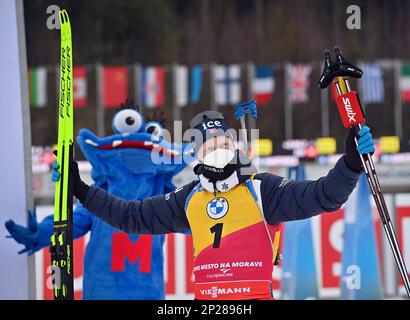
{"x": 123, "y": 247}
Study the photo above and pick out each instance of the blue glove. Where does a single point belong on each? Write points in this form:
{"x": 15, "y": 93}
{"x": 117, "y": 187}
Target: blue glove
{"x": 55, "y": 174}
{"x": 30, "y": 237}
{"x": 79, "y": 187}
{"x": 365, "y": 141}
{"x": 365, "y": 145}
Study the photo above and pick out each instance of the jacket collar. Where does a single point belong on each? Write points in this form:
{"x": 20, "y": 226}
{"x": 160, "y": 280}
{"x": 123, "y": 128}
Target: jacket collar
{"x": 221, "y": 185}
{"x": 241, "y": 174}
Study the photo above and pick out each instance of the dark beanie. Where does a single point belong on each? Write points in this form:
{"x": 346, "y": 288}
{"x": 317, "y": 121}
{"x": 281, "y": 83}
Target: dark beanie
{"x": 207, "y": 129}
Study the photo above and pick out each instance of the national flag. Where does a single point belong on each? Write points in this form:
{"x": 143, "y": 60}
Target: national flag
{"x": 373, "y": 86}
{"x": 187, "y": 90}
{"x": 38, "y": 87}
{"x": 196, "y": 84}
{"x": 263, "y": 85}
{"x": 404, "y": 83}
{"x": 181, "y": 86}
{"x": 80, "y": 86}
{"x": 115, "y": 86}
{"x": 298, "y": 82}
{"x": 360, "y": 278}
{"x": 153, "y": 87}
{"x": 227, "y": 84}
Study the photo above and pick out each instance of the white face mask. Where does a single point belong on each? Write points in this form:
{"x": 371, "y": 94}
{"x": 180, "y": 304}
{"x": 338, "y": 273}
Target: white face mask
{"x": 219, "y": 158}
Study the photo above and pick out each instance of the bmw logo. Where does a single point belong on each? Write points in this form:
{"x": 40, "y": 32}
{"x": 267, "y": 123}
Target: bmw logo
{"x": 217, "y": 208}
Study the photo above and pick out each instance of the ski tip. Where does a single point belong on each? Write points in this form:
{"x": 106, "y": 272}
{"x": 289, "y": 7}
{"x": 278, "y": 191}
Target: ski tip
{"x": 64, "y": 17}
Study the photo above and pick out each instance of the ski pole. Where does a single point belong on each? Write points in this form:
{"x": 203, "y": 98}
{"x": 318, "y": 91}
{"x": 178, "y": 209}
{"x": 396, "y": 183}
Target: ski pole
{"x": 240, "y": 113}
{"x": 352, "y": 116}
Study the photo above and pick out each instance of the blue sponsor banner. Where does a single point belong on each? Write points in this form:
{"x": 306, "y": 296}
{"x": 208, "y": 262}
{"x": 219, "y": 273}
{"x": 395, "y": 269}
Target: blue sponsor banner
{"x": 360, "y": 265}
{"x": 299, "y": 277}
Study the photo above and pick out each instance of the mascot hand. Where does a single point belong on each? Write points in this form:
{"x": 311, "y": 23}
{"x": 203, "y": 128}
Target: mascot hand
{"x": 29, "y": 236}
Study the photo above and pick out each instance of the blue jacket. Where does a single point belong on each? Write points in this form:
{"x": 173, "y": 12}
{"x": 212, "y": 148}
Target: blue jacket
{"x": 282, "y": 200}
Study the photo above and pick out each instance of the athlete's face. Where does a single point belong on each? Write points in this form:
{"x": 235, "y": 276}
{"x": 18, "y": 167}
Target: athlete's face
{"x": 219, "y": 142}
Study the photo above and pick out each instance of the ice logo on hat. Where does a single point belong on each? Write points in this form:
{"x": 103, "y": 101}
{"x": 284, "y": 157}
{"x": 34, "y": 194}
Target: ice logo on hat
{"x": 211, "y": 124}
{"x": 217, "y": 208}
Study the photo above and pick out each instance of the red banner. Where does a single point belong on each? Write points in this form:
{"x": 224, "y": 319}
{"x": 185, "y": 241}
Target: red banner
{"x": 80, "y": 86}
{"x": 403, "y": 234}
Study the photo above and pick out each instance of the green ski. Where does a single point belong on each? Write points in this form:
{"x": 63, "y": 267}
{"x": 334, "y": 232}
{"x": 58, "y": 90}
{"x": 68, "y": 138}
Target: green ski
{"x": 61, "y": 247}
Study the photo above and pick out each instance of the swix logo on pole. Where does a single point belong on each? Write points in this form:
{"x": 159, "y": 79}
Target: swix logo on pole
{"x": 350, "y": 109}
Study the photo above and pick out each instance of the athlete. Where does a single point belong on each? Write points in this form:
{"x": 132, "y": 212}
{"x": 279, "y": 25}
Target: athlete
{"x": 233, "y": 212}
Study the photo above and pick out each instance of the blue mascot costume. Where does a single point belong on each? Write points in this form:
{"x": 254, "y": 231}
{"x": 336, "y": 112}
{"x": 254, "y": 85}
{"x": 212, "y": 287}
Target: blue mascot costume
{"x": 118, "y": 265}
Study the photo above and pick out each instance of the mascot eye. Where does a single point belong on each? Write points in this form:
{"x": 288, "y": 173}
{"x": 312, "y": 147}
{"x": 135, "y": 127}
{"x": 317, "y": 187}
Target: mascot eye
{"x": 127, "y": 121}
{"x": 153, "y": 128}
